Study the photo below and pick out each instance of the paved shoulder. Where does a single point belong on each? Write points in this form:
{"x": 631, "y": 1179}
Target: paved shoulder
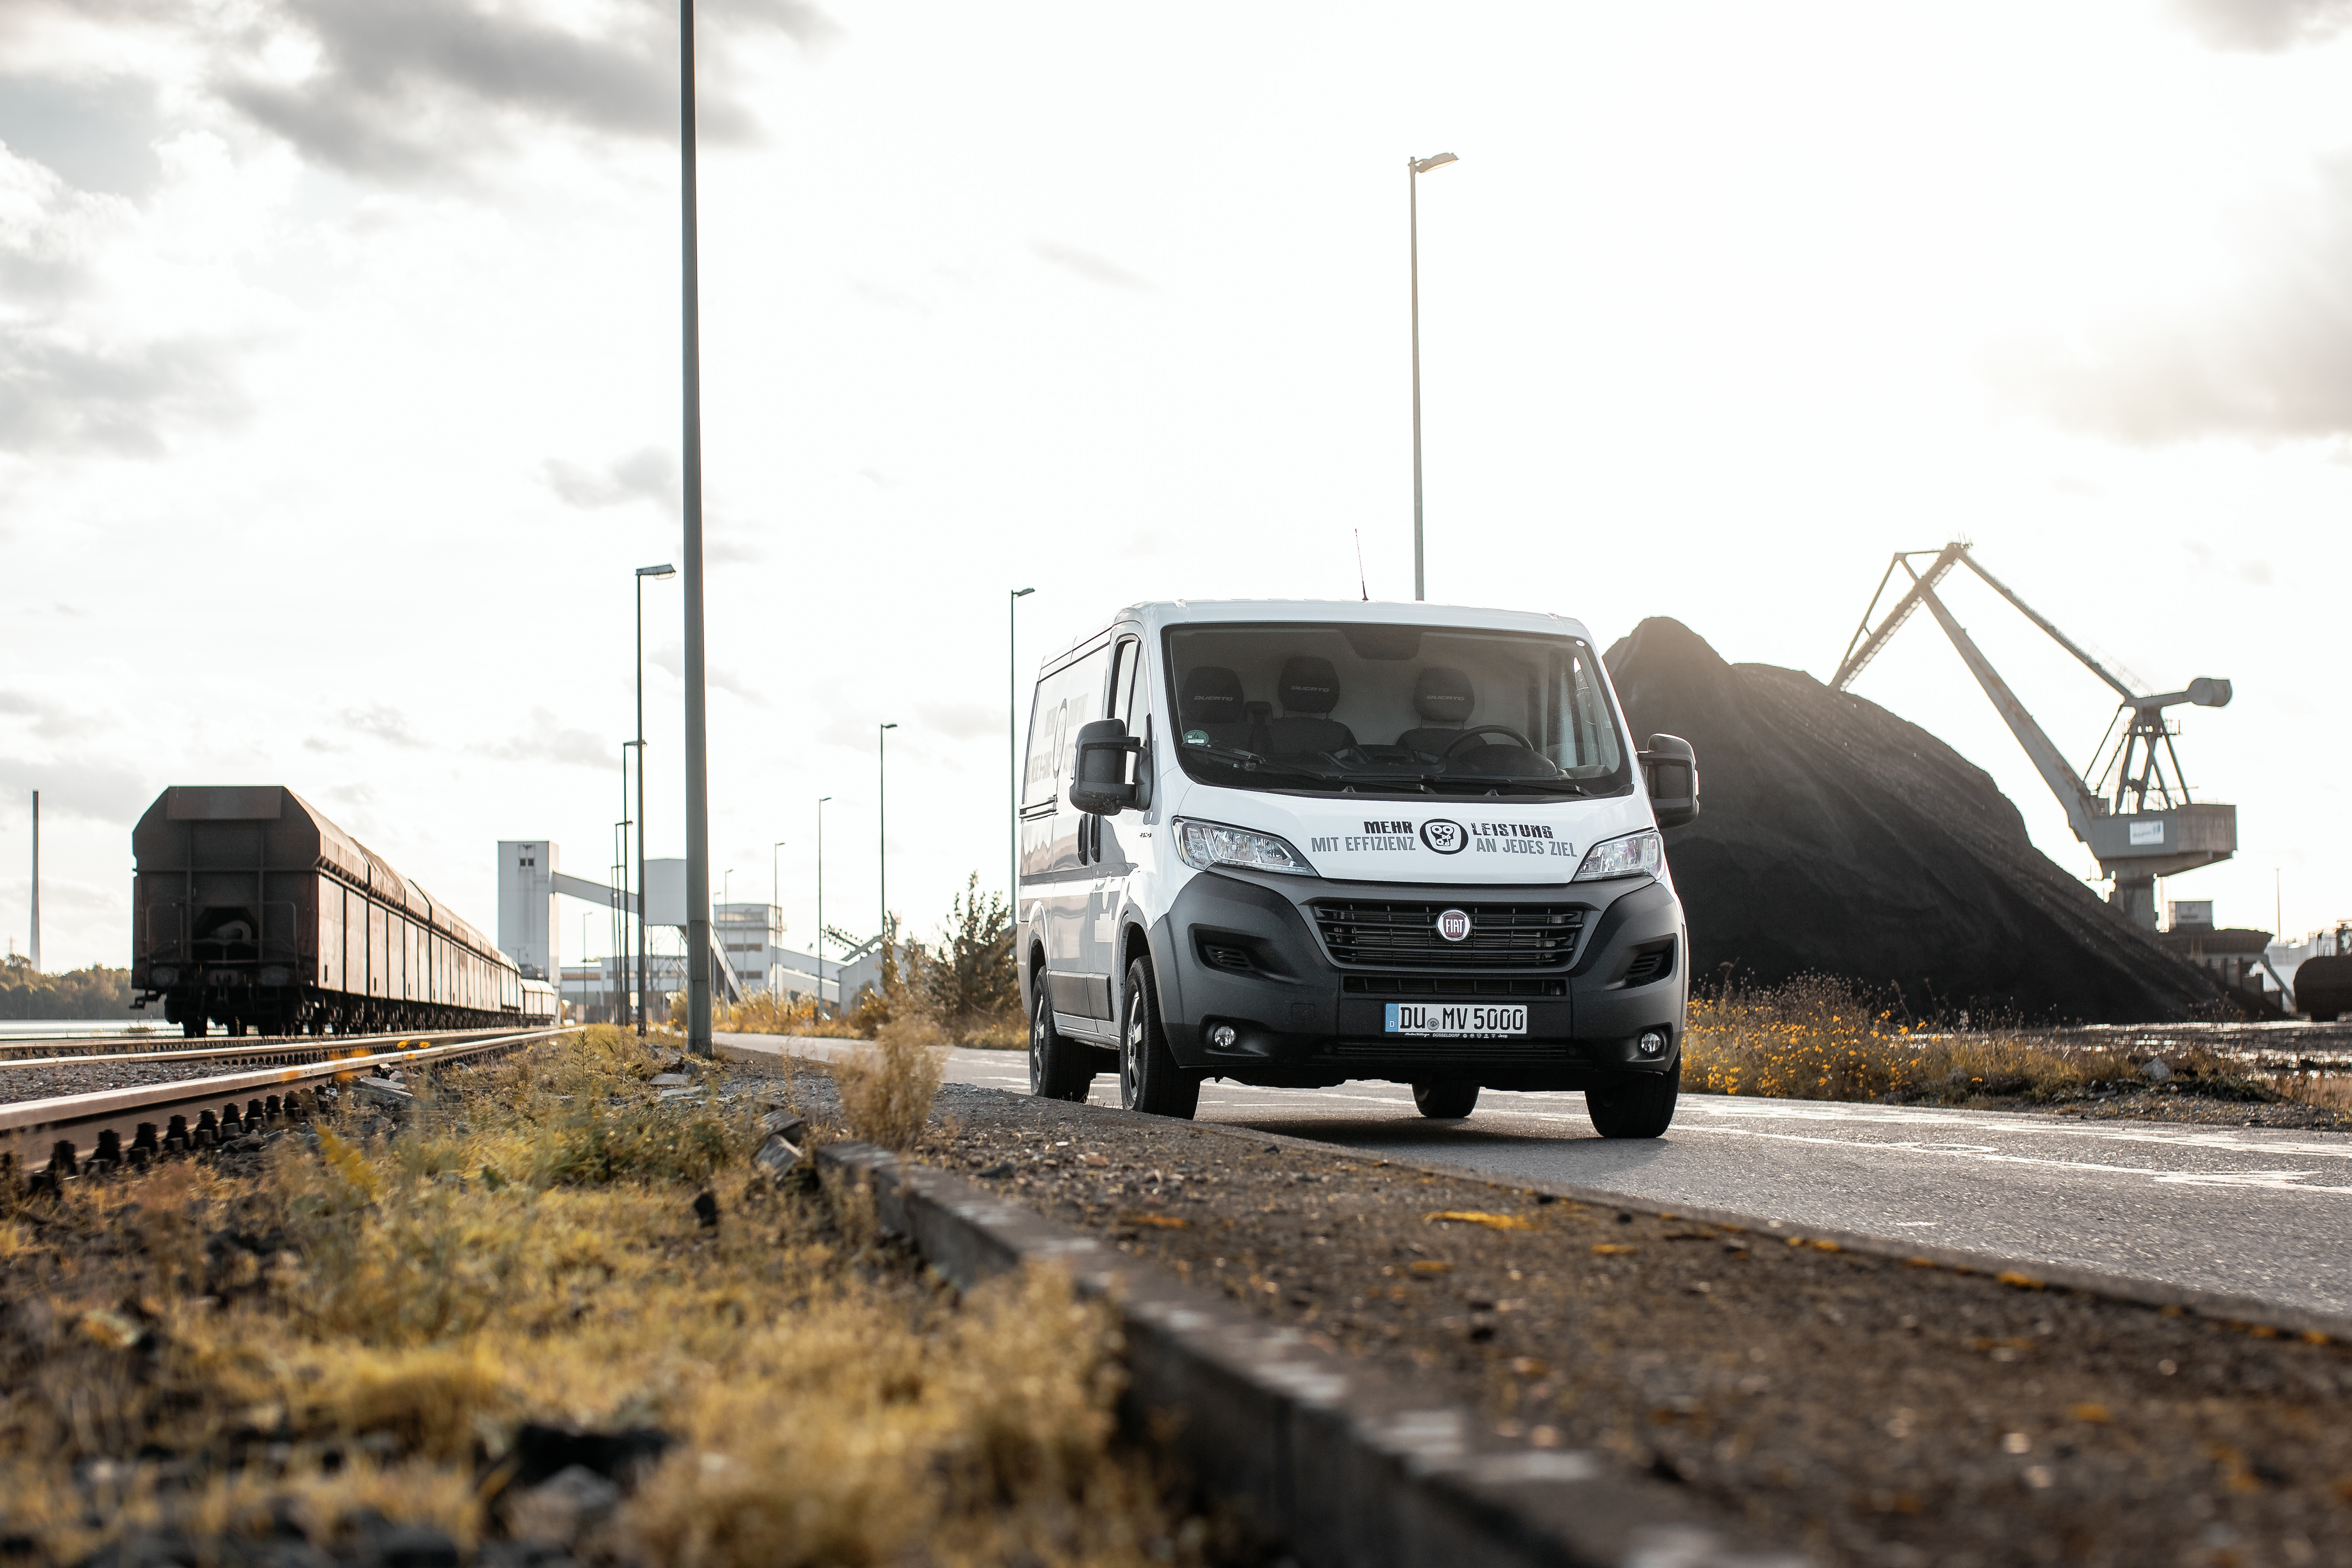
{"x": 2251, "y": 1212}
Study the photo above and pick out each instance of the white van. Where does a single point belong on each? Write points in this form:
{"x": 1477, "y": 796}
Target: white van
{"x": 1300, "y": 843}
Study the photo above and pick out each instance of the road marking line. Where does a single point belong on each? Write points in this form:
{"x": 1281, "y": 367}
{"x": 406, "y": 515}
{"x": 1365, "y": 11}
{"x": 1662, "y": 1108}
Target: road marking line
{"x": 2272, "y": 1180}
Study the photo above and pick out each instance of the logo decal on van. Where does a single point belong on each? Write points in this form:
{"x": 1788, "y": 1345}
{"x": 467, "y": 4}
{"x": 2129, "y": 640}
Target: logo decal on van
{"x": 1445, "y": 837}
{"x": 1454, "y": 925}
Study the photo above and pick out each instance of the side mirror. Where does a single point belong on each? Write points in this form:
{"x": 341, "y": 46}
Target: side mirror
{"x": 1670, "y": 768}
{"x": 1099, "y": 783}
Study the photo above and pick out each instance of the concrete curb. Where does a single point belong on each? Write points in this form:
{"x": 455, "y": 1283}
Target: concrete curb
{"x": 1351, "y": 1467}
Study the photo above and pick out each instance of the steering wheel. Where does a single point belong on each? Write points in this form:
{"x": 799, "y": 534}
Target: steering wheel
{"x": 1475, "y": 730}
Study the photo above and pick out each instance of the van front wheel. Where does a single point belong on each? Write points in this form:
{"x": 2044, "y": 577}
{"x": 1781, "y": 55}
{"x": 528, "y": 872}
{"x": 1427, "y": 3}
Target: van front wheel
{"x": 1448, "y": 1101}
{"x": 1634, "y": 1105}
{"x": 1055, "y": 1064}
{"x": 1148, "y": 1078}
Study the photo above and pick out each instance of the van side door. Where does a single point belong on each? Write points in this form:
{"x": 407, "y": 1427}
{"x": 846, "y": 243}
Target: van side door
{"x": 1057, "y": 868}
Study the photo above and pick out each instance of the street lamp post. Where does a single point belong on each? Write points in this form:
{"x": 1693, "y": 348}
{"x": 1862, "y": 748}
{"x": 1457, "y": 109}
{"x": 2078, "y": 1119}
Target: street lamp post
{"x": 882, "y": 839}
{"x": 698, "y": 737}
{"x": 1013, "y": 744}
{"x": 1413, "y": 169}
{"x": 664, "y": 570}
{"x": 820, "y": 901}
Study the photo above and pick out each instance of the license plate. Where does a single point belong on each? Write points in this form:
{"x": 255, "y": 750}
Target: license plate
{"x": 1457, "y": 1020}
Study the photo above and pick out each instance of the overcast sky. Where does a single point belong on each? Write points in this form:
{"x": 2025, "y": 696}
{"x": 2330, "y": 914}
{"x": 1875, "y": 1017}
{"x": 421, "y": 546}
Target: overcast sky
{"x": 338, "y": 386}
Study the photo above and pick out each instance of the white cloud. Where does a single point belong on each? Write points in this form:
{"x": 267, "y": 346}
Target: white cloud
{"x": 2264, "y": 26}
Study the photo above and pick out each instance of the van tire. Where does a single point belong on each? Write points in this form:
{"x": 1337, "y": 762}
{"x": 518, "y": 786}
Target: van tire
{"x": 1058, "y": 1066}
{"x": 1634, "y": 1105}
{"x": 1148, "y": 1078}
{"x": 1448, "y": 1101}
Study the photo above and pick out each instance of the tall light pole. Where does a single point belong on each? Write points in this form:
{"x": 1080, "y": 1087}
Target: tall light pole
{"x": 820, "y": 901}
{"x": 697, "y": 738}
{"x": 882, "y": 812}
{"x": 1414, "y": 168}
{"x": 664, "y": 570}
{"x": 1013, "y": 744}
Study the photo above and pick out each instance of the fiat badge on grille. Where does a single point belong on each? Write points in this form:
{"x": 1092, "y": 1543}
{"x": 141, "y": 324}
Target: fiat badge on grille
{"x": 1454, "y": 925}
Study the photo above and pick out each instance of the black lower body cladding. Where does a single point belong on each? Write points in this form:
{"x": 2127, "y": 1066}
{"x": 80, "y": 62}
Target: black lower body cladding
{"x": 1240, "y": 950}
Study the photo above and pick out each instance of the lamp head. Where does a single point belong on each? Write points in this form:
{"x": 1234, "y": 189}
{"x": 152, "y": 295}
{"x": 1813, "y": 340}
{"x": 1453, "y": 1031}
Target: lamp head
{"x": 1022, "y": 593}
{"x": 1423, "y": 165}
{"x": 890, "y": 726}
{"x": 664, "y": 570}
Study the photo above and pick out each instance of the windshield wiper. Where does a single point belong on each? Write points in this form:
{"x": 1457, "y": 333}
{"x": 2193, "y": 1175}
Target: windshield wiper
{"x": 1256, "y": 763}
{"x": 1474, "y": 783}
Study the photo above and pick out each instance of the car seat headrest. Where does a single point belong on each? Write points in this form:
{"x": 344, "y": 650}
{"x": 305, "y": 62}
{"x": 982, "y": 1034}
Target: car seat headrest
{"x": 1443, "y": 696}
{"x": 1308, "y": 685}
{"x": 1211, "y": 695}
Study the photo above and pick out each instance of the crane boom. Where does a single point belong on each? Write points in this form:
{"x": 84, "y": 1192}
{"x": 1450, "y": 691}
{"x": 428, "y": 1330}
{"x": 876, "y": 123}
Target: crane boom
{"x": 2073, "y": 793}
{"x": 1868, "y": 642}
{"x": 2061, "y": 638}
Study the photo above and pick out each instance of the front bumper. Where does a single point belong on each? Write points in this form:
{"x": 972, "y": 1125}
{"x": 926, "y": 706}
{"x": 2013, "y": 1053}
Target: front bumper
{"x": 1242, "y": 950}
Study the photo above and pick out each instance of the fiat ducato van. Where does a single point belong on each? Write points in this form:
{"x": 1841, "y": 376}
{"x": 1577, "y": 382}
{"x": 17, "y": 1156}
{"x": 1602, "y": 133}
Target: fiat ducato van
{"x": 1296, "y": 843}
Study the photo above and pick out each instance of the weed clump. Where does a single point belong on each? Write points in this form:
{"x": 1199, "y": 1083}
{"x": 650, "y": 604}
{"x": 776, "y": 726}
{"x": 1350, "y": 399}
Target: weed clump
{"x": 887, "y": 1088}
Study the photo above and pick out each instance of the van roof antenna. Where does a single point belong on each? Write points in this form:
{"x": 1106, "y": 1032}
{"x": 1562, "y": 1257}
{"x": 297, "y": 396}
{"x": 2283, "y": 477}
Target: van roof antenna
{"x": 1367, "y": 593}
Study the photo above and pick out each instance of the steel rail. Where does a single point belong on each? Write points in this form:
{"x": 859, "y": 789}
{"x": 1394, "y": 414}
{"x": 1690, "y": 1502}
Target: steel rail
{"x": 285, "y": 1047}
{"x": 145, "y": 1121}
{"x": 89, "y": 1048}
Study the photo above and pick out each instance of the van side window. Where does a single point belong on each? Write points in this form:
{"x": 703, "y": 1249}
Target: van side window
{"x": 1067, "y": 699}
{"x": 1126, "y": 682}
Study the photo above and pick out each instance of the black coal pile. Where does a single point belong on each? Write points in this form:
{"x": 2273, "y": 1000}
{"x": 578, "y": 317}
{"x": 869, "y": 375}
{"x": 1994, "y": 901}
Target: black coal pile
{"x": 1839, "y": 839}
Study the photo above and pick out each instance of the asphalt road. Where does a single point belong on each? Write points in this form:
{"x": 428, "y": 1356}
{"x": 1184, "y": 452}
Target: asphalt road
{"x": 2252, "y": 1212}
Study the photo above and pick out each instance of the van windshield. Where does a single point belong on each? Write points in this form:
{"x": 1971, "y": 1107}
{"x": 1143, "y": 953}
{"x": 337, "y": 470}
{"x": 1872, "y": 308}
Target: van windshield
{"x": 1392, "y": 711}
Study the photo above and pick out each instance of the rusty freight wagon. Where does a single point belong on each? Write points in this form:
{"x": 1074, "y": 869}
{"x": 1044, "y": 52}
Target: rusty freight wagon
{"x": 252, "y": 911}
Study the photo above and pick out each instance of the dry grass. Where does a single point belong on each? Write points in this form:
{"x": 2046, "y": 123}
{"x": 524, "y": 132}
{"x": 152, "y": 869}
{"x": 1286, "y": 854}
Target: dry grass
{"x": 887, "y": 1088}
{"x": 763, "y": 1014}
{"x": 364, "y": 1325}
{"x": 1820, "y": 1039}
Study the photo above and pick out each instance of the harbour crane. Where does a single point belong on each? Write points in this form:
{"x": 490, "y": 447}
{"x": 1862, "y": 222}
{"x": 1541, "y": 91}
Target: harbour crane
{"x": 2136, "y": 817}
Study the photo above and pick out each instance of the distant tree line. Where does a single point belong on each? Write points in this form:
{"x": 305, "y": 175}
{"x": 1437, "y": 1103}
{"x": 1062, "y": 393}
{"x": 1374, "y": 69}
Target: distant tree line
{"x": 93, "y": 992}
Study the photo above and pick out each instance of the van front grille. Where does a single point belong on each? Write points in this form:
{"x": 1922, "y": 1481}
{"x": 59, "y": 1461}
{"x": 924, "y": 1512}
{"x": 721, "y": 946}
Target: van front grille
{"x": 1448, "y": 985}
{"x": 1404, "y": 935}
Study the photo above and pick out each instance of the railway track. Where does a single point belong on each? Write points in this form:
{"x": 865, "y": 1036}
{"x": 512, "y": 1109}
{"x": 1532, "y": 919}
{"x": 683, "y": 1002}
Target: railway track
{"x": 251, "y": 1047}
{"x": 160, "y": 1047}
{"x": 48, "y": 1141}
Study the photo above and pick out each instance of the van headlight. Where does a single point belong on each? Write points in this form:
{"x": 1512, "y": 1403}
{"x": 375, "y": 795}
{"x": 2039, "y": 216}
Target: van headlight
{"x": 1641, "y": 854}
{"x": 1202, "y": 845}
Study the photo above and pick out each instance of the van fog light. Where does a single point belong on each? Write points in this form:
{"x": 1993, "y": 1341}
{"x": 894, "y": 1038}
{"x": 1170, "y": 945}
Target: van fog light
{"x": 1650, "y": 1044}
{"x": 1222, "y": 1037}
